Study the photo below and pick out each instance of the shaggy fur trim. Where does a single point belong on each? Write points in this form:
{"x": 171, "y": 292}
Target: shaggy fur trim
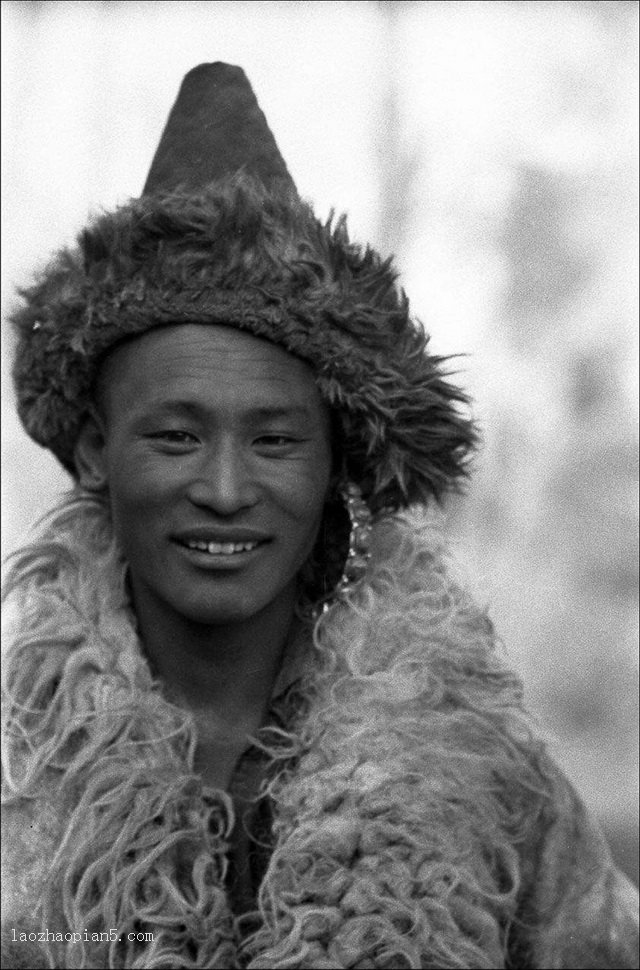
{"x": 240, "y": 256}
{"x": 403, "y": 790}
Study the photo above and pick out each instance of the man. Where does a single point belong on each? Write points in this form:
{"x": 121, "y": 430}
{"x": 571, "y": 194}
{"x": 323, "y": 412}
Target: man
{"x": 251, "y": 719}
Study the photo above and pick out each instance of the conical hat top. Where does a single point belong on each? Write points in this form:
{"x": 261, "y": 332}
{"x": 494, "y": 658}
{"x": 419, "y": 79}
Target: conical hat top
{"x": 215, "y": 128}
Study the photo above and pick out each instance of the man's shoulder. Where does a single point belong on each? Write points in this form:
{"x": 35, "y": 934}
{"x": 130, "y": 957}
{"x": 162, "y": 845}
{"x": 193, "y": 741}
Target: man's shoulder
{"x": 582, "y": 910}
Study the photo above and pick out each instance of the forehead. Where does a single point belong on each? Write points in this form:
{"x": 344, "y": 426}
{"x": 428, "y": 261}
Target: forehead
{"x": 208, "y": 364}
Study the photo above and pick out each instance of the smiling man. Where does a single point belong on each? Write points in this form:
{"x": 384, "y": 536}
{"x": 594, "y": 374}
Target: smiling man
{"x": 250, "y": 719}
{"x": 214, "y": 450}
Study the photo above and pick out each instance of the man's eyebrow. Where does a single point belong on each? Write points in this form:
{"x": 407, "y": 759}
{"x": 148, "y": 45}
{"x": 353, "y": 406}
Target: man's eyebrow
{"x": 260, "y": 412}
{"x": 279, "y": 411}
{"x": 164, "y": 404}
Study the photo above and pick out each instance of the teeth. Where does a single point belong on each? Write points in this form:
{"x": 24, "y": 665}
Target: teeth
{"x": 221, "y": 548}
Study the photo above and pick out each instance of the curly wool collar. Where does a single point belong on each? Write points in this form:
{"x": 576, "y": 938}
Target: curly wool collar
{"x": 239, "y": 255}
{"x": 402, "y": 789}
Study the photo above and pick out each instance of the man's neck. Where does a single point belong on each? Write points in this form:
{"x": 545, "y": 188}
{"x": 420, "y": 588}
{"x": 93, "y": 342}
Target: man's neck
{"x": 226, "y": 671}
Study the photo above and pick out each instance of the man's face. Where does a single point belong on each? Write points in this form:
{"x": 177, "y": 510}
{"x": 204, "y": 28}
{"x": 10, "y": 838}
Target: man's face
{"x": 217, "y": 458}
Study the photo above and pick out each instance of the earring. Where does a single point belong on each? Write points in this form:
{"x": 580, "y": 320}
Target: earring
{"x": 358, "y": 556}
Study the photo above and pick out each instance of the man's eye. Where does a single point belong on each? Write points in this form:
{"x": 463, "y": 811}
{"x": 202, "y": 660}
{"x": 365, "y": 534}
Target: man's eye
{"x": 175, "y": 437}
{"x": 275, "y": 440}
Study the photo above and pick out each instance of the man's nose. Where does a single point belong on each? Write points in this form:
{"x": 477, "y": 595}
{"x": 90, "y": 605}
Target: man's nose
{"x": 222, "y": 480}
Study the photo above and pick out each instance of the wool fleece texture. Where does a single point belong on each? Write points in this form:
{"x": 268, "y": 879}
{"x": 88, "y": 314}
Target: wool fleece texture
{"x": 416, "y": 822}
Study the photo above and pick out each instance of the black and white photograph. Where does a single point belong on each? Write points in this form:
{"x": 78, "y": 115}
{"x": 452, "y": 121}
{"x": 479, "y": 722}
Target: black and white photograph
{"x": 320, "y": 485}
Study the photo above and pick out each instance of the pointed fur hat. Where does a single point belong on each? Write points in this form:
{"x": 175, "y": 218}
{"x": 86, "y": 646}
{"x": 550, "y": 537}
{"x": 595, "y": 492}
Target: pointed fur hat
{"x": 220, "y": 236}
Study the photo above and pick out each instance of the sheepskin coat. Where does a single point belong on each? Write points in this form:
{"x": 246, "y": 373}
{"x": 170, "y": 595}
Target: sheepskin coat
{"x": 414, "y": 820}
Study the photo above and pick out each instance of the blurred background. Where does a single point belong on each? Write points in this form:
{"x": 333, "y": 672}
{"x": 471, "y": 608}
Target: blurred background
{"x": 492, "y": 146}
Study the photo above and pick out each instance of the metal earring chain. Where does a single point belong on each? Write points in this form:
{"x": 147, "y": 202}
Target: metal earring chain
{"x": 359, "y": 554}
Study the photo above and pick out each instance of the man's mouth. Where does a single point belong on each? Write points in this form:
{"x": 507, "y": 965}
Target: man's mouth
{"x": 221, "y": 548}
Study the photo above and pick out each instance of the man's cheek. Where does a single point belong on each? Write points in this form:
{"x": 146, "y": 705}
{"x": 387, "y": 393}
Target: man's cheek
{"x": 303, "y": 495}
{"x": 132, "y": 486}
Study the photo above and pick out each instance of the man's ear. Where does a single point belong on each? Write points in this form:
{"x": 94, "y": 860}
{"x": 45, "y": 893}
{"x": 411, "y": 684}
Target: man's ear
{"x": 90, "y": 454}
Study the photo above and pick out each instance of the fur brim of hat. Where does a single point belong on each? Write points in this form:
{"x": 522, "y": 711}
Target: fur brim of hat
{"x": 238, "y": 254}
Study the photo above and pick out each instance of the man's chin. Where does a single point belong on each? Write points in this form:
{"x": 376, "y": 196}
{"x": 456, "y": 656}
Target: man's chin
{"x": 231, "y": 602}
{"x": 219, "y": 614}
{"x": 233, "y": 606}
